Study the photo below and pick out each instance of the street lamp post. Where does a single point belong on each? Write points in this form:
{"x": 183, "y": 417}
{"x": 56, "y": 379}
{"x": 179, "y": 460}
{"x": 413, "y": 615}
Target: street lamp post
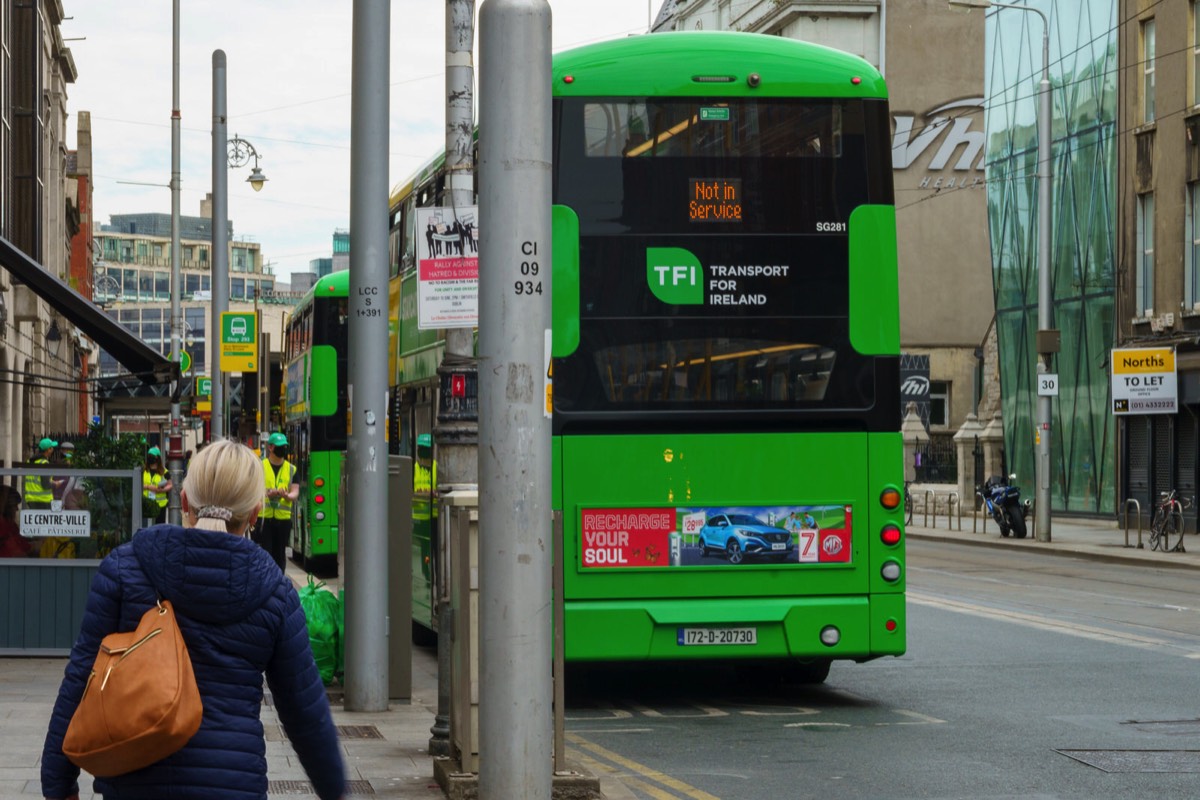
{"x": 226, "y": 154}
{"x": 1048, "y": 339}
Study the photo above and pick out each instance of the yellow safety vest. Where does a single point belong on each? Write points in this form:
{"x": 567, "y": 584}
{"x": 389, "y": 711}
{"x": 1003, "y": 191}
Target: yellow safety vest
{"x": 277, "y": 507}
{"x": 424, "y": 482}
{"x": 35, "y": 490}
{"x": 150, "y": 482}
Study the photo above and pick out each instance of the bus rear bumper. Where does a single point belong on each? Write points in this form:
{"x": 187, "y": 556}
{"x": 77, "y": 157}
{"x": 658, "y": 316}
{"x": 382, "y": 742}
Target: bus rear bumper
{"x": 783, "y": 627}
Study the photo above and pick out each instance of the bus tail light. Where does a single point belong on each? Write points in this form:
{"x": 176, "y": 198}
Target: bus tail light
{"x": 830, "y": 635}
{"x": 319, "y": 482}
{"x": 320, "y": 515}
{"x": 890, "y": 498}
{"x": 891, "y": 625}
{"x": 890, "y": 571}
{"x": 319, "y": 499}
{"x": 890, "y": 535}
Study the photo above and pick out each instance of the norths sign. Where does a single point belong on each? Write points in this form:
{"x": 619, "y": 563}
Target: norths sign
{"x": 1144, "y": 381}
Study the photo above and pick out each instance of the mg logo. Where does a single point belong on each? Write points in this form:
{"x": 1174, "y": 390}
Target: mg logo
{"x": 832, "y": 545}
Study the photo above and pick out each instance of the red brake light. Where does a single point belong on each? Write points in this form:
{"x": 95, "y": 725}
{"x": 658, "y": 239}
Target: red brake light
{"x": 890, "y": 624}
{"x": 890, "y": 535}
{"x": 889, "y": 498}
{"x": 568, "y": 79}
{"x": 319, "y": 499}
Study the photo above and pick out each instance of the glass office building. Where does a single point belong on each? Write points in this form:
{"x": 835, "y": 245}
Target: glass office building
{"x": 1083, "y": 76}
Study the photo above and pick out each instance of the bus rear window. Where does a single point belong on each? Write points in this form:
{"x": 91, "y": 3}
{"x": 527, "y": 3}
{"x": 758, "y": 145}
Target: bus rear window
{"x": 657, "y": 128}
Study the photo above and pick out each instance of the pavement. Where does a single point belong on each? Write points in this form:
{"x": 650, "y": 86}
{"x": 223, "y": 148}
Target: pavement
{"x": 1079, "y": 537}
{"x": 386, "y": 752}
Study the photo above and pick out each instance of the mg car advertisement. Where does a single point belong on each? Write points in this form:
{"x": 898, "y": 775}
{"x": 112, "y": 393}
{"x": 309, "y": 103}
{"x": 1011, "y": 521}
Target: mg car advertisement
{"x": 714, "y": 536}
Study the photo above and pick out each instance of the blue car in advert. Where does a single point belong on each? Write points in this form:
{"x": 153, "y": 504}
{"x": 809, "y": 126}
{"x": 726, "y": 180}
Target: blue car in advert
{"x": 741, "y": 535}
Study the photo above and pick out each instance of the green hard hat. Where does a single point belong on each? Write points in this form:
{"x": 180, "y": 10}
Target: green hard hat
{"x": 154, "y": 451}
{"x": 47, "y": 443}
{"x": 277, "y": 439}
{"x": 424, "y": 440}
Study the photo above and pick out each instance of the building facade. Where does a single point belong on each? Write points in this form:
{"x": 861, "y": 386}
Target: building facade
{"x": 133, "y": 284}
{"x": 1083, "y": 76}
{"x": 933, "y": 63}
{"x": 39, "y": 366}
{"x": 1158, "y": 244}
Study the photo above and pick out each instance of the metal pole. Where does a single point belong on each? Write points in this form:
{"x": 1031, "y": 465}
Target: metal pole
{"x": 1042, "y": 493}
{"x": 457, "y": 436}
{"x": 366, "y": 452}
{"x": 220, "y": 241}
{"x": 514, "y": 422}
{"x": 175, "y": 465}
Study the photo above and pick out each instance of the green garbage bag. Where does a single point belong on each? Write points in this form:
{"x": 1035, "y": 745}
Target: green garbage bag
{"x": 322, "y": 609}
{"x": 341, "y": 633}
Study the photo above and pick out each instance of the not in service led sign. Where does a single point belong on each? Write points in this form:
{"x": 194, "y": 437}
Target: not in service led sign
{"x": 715, "y": 199}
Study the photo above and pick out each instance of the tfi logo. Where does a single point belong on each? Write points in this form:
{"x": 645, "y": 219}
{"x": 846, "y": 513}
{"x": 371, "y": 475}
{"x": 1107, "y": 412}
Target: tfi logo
{"x": 675, "y": 275}
{"x": 915, "y": 385}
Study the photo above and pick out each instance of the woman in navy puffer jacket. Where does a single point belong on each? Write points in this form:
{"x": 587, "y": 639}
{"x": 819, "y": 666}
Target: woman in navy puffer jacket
{"x": 240, "y": 617}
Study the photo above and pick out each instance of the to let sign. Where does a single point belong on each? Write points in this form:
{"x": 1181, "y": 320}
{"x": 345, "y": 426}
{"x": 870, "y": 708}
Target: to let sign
{"x": 37, "y": 522}
{"x": 239, "y": 342}
{"x": 1144, "y": 381}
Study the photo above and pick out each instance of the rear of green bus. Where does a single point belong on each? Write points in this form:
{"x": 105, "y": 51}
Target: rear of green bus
{"x": 726, "y": 444}
{"x": 315, "y": 409}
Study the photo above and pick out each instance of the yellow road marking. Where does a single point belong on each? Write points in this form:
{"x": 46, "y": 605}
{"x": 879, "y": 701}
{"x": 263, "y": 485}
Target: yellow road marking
{"x": 640, "y": 769}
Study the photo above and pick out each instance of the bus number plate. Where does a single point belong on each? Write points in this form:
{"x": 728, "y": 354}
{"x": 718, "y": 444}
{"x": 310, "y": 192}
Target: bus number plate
{"x": 705, "y": 636}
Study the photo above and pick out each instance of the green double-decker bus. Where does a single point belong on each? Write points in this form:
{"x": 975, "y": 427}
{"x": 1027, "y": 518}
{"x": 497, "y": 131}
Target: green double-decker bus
{"x": 726, "y": 408}
{"x": 314, "y": 407}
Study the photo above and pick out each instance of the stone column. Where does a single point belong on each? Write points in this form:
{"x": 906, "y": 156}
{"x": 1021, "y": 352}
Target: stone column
{"x": 992, "y": 440}
{"x": 964, "y": 442}
{"x": 915, "y": 436}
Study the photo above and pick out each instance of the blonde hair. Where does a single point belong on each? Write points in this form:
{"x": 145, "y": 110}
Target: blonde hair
{"x": 224, "y": 477}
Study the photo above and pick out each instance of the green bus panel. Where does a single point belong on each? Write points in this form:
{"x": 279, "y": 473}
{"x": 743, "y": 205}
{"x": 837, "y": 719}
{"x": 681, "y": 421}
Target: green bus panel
{"x": 322, "y": 539}
{"x": 636, "y": 610}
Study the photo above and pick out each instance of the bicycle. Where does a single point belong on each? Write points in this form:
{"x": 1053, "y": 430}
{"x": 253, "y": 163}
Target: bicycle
{"x": 1166, "y": 534}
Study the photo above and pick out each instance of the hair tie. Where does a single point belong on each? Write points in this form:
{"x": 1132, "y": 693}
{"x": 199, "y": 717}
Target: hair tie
{"x": 214, "y": 512}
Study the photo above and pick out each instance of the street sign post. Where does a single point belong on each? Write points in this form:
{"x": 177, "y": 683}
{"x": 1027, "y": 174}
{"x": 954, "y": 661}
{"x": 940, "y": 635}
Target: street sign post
{"x": 239, "y": 342}
{"x": 185, "y": 362}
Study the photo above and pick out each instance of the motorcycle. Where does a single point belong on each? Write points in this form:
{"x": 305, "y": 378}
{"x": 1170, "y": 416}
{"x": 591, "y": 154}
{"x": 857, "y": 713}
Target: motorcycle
{"x": 1003, "y": 502}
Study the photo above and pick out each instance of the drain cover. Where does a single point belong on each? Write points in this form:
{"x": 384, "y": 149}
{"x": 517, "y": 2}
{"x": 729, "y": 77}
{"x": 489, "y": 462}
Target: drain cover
{"x": 304, "y": 787}
{"x": 359, "y": 732}
{"x": 1138, "y": 760}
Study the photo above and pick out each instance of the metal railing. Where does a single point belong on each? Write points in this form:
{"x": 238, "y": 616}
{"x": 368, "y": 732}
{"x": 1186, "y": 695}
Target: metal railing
{"x": 1125, "y": 520}
{"x": 930, "y": 505}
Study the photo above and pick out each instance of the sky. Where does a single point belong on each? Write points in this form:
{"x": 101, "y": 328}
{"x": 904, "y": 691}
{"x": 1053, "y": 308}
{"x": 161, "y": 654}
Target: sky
{"x": 288, "y": 94}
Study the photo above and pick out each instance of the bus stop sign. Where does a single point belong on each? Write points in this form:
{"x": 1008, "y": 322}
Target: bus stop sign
{"x": 239, "y": 342}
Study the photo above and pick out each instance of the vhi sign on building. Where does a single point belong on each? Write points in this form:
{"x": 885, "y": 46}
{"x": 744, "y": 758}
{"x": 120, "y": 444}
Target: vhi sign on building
{"x": 1144, "y": 381}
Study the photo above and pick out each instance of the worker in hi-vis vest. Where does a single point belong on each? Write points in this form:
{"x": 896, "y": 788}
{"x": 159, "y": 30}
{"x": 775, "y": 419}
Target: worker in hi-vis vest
{"x": 275, "y": 521}
{"x": 39, "y": 489}
{"x": 156, "y": 485}
{"x": 424, "y": 499}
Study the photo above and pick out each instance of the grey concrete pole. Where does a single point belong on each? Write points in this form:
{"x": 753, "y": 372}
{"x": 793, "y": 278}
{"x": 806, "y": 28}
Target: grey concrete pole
{"x": 175, "y": 465}
{"x": 366, "y": 452}
{"x": 1045, "y": 298}
{"x": 220, "y": 240}
{"x": 515, "y": 526}
{"x": 457, "y": 435}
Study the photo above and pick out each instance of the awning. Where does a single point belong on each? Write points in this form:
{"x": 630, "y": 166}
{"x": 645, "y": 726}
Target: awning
{"x": 131, "y": 352}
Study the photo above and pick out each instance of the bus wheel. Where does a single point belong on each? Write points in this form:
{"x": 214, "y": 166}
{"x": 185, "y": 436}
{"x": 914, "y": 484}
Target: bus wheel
{"x": 815, "y": 671}
{"x": 422, "y": 636}
{"x": 733, "y": 551}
